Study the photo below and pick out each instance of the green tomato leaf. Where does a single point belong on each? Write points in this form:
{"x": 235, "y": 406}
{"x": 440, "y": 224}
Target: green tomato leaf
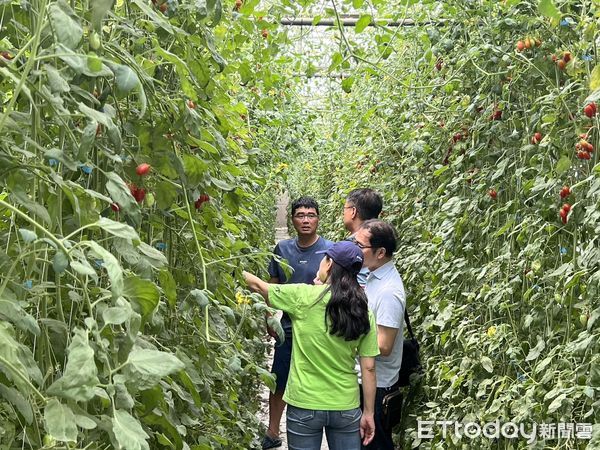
{"x": 336, "y": 60}
{"x": 267, "y": 378}
{"x": 116, "y": 315}
{"x": 548, "y": 8}
{"x": 146, "y": 367}
{"x": 166, "y": 194}
{"x": 85, "y": 422}
{"x": 65, "y": 24}
{"x": 79, "y": 62}
{"x": 118, "y": 229}
{"x": 216, "y": 9}
{"x": 60, "y": 263}
{"x": 55, "y": 80}
{"x": 65, "y": 159}
{"x": 129, "y": 432}
{"x": 168, "y": 285}
{"x": 347, "y": 84}
{"x": 154, "y": 16}
{"x": 152, "y": 255}
{"x": 200, "y": 297}
{"x": 536, "y": 351}
{"x": 275, "y": 325}
{"x": 143, "y": 294}
{"x": 23, "y": 199}
{"x": 97, "y": 116}
{"x": 60, "y": 421}
{"x": 120, "y": 193}
{"x": 487, "y": 364}
{"x": 27, "y": 235}
{"x": 595, "y": 78}
{"x": 362, "y": 23}
{"x": 79, "y": 378}
{"x": 112, "y": 266}
{"x": 563, "y": 165}
{"x": 556, "y": 403}
{"x": 222, "y": 184}
{"x": 17, "y": 399}
{"x": 126, "y": 80}
{"x": 12, "y": 311}
{"x": 84, "y": 268}
{"x": 19, "y": 358}
{"x": 99, "y": 10}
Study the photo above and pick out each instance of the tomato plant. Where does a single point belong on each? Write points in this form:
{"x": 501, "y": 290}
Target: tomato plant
{"x": 119, "y": 326}
{"x": 505, "y": 293}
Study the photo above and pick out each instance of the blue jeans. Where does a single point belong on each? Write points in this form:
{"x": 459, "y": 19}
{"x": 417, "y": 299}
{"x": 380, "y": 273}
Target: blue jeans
{"x": 305, "y": 429}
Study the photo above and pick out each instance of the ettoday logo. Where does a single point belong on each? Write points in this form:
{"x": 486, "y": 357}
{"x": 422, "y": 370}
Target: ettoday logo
{"x": 531, "y": 432}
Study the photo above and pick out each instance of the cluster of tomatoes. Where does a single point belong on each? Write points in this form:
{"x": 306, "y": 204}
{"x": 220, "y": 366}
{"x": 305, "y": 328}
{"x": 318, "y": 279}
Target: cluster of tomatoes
{"x": 139, "y": 193}
{"x": 163, "y": 6}
{"x": 584, "y": 148}
{"x": 201, "y": 200}
{"x": 528, "y": 43}
{"x": 562, "y": 62}
{"x": 564, "y": 210}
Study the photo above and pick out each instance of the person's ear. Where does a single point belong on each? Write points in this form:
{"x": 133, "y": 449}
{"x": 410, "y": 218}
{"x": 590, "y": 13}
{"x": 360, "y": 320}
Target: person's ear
{"x": 328, "y": 265}
{"x": 380, "y": 253}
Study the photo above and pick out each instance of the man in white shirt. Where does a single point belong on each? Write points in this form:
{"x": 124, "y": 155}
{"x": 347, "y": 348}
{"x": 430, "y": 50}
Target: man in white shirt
{"x": 387, "y": 300}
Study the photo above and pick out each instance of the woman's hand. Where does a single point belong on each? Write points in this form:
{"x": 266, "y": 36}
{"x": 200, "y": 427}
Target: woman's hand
{"x": 367, "y": 428}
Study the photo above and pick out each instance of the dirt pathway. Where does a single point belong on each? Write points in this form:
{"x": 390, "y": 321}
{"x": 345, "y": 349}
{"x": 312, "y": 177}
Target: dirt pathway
{"x": 281, "y": 232}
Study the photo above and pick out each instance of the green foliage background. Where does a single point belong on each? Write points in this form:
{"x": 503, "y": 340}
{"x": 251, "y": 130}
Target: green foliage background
{"x": 122, "y": 323}
{"x": 504, "y": 296}
{"x": 128, "y": 329}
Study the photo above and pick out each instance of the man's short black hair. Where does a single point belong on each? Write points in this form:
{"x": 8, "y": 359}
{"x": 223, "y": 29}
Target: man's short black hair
{"x": 367, "y": 202}
{"x": 305, "y": 202}
{"x": 383, "y": 235}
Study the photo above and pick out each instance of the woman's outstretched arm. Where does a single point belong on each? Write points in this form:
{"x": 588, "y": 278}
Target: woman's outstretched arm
{"x": 369, "y": 386}
{"x": 255, "y": 284}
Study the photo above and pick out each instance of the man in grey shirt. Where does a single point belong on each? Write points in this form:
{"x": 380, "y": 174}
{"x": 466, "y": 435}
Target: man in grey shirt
{"x": 387, "y": 300}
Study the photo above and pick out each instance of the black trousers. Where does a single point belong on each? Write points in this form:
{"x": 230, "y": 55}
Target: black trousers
{"x": 383, "y": 438}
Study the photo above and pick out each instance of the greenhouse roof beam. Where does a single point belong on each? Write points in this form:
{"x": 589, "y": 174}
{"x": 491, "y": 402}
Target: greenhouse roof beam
{"x": 346, "y": 22}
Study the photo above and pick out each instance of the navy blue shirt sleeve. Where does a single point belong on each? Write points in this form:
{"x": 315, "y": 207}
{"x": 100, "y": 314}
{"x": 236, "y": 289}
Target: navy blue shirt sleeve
{"x": 274, "y": 267}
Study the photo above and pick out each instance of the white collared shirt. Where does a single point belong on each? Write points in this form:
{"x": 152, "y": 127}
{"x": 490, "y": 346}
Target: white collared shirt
{"x": 387, "y": 300}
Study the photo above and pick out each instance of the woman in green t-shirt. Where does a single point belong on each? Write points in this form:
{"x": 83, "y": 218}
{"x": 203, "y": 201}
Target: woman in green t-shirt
{"x": 331, "y": 325}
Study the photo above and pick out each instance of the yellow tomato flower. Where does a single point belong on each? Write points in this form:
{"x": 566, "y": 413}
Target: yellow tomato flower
{"x": 491, "y": 331}
{"x": 240, "y": 298}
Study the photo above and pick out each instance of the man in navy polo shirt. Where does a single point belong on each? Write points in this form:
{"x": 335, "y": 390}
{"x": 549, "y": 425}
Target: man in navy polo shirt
{"x": 301, "y": 255}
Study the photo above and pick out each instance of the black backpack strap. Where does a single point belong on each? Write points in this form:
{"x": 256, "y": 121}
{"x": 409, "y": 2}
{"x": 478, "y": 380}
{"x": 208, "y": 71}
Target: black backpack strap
{"x": 407, "y": 319}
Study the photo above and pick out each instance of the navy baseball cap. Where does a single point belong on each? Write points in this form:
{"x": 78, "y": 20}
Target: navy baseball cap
{"x": 347, "y": 254}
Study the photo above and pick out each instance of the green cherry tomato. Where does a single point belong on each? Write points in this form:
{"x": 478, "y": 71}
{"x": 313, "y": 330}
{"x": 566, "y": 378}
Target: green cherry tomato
{"x": 94, "y": 40}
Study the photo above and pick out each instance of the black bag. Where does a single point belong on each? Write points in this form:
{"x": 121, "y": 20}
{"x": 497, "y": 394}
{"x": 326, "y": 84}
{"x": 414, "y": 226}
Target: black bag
{"x": 391, "y": 409}
{"x": 411, "y": 362}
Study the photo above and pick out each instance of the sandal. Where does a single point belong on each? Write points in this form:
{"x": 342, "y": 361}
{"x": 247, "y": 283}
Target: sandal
{"x": 269, "y": 442}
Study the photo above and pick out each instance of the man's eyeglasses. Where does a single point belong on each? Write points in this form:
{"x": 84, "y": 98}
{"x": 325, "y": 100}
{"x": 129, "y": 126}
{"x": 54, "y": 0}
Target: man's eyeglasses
{"x": 361, "y": 246}
{"x": 305, "y": 216}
